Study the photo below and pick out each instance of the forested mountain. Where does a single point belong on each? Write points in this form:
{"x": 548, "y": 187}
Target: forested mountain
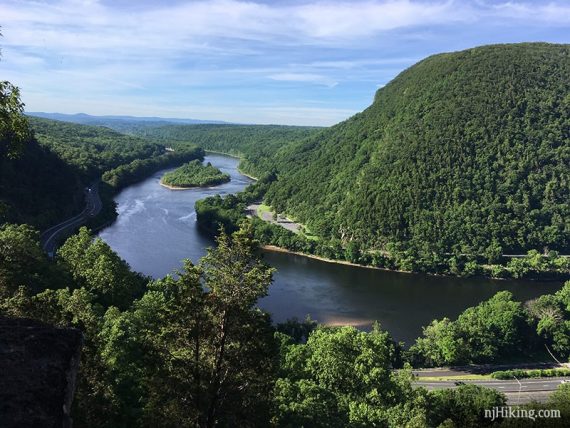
{"x": 38, "y": 187}
{"x": 464, "y": 152}
{"x": 91, "y": 149}
{"x": 255, "y": 144}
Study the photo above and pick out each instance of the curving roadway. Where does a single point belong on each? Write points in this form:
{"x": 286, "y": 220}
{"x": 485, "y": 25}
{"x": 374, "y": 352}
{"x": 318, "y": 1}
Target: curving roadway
{"x": 50, "y": 237}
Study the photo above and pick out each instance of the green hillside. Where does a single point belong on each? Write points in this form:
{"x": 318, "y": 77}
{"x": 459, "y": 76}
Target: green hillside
{"x": 464, "y": 152}
{"x": 91, "y": 149}
{"x": 255, "y": 144}
{"x": 43, "y": 184}
{"x": 38, "y": 188}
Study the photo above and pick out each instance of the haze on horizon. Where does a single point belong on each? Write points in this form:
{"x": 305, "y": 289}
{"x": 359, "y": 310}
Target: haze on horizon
{"x": 285, "y": 62}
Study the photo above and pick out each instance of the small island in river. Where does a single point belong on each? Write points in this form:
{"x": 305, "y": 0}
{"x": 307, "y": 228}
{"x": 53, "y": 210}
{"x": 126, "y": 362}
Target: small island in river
{"x": 194, "y": 174}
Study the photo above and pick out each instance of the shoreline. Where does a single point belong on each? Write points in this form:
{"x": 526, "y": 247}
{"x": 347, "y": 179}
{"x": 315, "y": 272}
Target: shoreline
{"x": 247, "y": 175}
{"x": 235, "y": 157}
{"x": 276, "y": 249}
{"x": 168, "y": 186}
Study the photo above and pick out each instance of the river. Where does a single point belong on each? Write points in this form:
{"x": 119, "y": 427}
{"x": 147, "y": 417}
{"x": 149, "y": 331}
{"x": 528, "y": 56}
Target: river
{"x": 156, "y": 229}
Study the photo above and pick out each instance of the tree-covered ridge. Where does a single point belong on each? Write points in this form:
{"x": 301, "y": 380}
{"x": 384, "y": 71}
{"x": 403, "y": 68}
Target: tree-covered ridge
{"x": 91, "y": 149}
{"x": 36, "y": 186}
{"x": 255, "y": 144}
{"x": 194, "y": 174}
{"x": 215, "y": 212}
{"x": 463, "y": 153}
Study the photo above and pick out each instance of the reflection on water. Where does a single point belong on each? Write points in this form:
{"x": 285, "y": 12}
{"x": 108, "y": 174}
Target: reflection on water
{"x": 156, "y": 229}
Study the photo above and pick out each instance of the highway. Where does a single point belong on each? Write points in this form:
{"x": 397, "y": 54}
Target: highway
{"x": 51, "y": 237}
{"x": 517, "y": 392}
{"x": 527, "y": 390}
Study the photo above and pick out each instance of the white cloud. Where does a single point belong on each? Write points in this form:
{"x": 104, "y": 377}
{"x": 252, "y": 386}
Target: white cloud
{"x": 102, "y": 51}
{"x": 552, "y": 13}
{"x": 304, "y": 77}
{"x": 351, "y": 19}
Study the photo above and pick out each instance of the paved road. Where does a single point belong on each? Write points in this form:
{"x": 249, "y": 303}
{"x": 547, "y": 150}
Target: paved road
{"x": 527, "y": 390}
{"x": 267, "y": 216}
{"x": 486, "y": 368}
{"x": 517, "y": 393}
{"x": 50, "y": 238}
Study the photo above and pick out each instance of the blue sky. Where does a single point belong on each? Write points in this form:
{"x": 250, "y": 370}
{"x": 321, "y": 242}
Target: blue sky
{"x": 287, "y": 62}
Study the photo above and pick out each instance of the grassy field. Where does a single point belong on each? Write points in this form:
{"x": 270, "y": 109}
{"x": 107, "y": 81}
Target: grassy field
{"x": 263, "y": 209}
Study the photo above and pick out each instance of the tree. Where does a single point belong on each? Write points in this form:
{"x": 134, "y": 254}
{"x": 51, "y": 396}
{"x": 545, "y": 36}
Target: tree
{"x": 439, "y": 345}
{"x": 95, "y": 266}
{"x": 464, "y": 406}
{"x": 484, "y": 333}
{"x": 22, "y": 261}
{"x": 14, "y": 128}
{"x": 342, "y": 377}
{"x": 493, "y": 328}
{"x": 215, "y": 347}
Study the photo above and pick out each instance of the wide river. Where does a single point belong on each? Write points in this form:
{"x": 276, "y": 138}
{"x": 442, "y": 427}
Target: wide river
{"x": 156, "y": 229}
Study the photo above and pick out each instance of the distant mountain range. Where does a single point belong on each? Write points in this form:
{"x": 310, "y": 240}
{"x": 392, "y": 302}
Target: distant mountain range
{"x": 124, "y": 124}
{"x": 87, "y": 119}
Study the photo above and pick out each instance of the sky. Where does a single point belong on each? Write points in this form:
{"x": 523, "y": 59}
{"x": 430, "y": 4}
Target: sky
{"x": 283, "y": 62}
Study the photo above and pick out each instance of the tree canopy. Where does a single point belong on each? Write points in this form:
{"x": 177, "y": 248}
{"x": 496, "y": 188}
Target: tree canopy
{"x": 195, "y": 174}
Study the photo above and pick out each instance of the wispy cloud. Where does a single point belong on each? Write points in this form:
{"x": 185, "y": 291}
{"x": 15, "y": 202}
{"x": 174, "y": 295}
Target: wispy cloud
{"x": 304, "y": 77}
{"x": 225, "y": 51}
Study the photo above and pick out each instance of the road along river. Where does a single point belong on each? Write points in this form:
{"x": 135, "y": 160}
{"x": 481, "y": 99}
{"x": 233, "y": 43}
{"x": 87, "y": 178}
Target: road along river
{"x": 156, "y": 229}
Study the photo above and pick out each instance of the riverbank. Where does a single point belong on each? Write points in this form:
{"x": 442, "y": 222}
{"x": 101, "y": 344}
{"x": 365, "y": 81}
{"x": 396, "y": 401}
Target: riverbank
{"x": 277, "y": 249}
{"x": 235, "y": 157}
{"x": 168, "y": 186}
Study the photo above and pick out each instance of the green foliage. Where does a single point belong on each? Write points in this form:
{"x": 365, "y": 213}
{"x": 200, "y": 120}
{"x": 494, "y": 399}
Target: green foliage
{"x": 30, "y": 191}
{"x": 462, "y": 153}
{"x": 200, "y": 353}
{"x": 230, "y": 212}
{"x": 191, "y": 351}
{"x": 256, "y": 145}
{"x": 537, "y": 373}
{"x": 341, "y": 377}
{"x": 14, "y": 129}
{"x": 464, "y": 406}
{"x": 138, "y": 169}
{"x": 195, "y": 174}
{"x": 549, "y": 316}
{"x": 491, "y": 331}
{"x": 439, "y": 345}
{"x": 24, "y": 268}
{"x": 98, "y": 269}
{"x": 91, "y": 150}
{"x": 194, "y": 350}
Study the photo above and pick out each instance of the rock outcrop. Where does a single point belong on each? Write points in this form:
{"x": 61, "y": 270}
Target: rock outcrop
{"x": 38, "y": 368}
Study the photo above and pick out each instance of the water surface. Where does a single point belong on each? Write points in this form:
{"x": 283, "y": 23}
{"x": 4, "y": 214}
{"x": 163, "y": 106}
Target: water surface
{"x": 156, "y": 229}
